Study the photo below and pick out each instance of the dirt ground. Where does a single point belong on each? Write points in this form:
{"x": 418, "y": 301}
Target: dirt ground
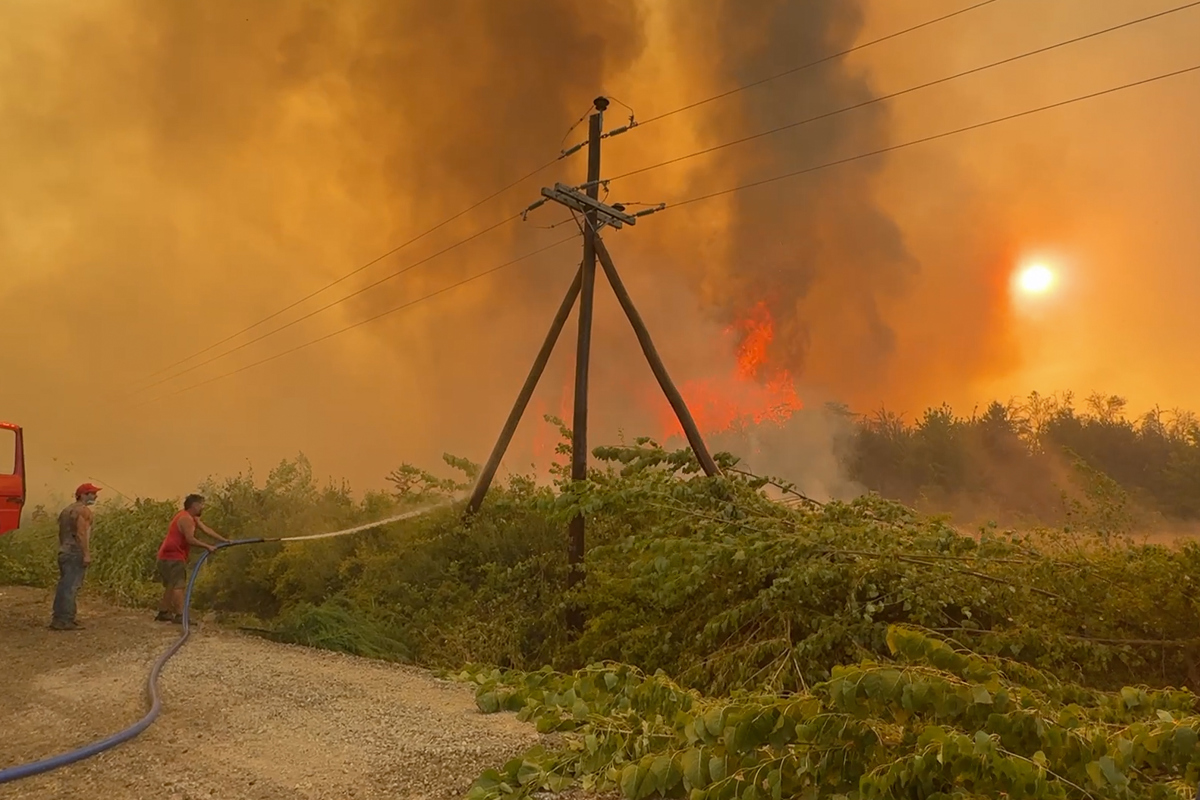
{"x": 241, "y": 718}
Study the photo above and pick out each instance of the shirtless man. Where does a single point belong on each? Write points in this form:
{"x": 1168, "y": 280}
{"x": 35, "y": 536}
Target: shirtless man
{"x": 74, "y": 555}
{"x": 173, "y": 556}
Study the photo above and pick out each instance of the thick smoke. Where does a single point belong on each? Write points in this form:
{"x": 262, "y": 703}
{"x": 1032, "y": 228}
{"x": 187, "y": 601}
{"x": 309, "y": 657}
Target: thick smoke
{"x": 817, "y": 249}
{"x": 175, "y": 170}
{"x": 805, "y": 450}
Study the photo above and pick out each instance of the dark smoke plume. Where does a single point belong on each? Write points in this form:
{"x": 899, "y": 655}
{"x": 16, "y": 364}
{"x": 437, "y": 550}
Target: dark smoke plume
{"x": 818, "y": 250}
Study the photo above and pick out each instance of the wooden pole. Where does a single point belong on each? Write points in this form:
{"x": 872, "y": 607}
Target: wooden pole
{"x": 656, "y": 363}
{"x": 518, "y": 410}
{"x": 575, "y": 548}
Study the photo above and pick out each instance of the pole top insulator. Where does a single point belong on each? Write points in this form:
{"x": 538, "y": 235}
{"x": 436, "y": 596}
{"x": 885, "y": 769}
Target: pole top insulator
{"x": 601, "y": 103}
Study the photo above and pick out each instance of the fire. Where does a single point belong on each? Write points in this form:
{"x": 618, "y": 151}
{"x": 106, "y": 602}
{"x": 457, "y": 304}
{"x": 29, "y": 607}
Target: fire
{"x": 753, "y": 394}
{"x": 758, "y": 331}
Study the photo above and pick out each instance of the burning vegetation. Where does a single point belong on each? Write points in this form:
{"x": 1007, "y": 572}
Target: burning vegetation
{"x": 756, "y": 392}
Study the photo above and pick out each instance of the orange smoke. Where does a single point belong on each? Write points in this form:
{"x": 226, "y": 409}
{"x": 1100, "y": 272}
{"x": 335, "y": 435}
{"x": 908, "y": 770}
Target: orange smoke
{"x": 755, "y": 393}
{"x": 546, "y": 437}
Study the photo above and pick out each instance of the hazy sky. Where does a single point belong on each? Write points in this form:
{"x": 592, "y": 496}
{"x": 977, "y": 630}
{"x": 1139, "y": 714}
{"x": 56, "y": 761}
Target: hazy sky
{"x": 174, "y": 172}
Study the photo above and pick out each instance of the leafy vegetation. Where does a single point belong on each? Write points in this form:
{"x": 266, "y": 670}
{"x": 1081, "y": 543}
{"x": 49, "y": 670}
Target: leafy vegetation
{"x": 1014, "y": 461}
{"x": 933, "y": 722}
{"x": 740, "y": 639}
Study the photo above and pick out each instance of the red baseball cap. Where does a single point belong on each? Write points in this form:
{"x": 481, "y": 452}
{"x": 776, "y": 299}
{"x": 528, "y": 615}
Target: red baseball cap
{"x": 87, "y": 488}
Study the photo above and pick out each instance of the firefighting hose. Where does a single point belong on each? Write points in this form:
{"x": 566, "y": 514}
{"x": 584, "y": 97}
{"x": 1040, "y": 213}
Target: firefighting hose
{"x": 100, "y": 745}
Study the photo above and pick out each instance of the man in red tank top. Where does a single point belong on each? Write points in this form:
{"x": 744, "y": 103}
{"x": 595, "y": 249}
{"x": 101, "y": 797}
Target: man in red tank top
{"x": 173, "y": 556}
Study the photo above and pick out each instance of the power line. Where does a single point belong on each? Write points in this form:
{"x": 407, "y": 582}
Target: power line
{"x": 909, "y": 90}
{"x": 359, "y": 269}
{"x": 819, "y": 61}
{"x": 68, "y": 466}
{"x": 583, "y": 118}
{"x": 380, "y": 315}
{"x": 626, "y": 106}
{"x": 936, "y": 136}
{"x": 330, "y": 305}
{"x": 554, "y": 225}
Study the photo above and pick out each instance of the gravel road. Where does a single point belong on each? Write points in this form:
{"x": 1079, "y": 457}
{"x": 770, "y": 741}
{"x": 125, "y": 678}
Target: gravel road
{"x": 242, "y": 717}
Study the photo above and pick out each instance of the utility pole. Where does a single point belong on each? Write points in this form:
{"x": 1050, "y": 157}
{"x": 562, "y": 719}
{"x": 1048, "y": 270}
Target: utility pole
{"x": 587, "y": 293}
{"x": 596, "y": 216}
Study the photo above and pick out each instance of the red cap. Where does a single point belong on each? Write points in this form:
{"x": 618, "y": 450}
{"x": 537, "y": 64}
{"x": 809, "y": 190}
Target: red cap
{"x": 86, "y": 488}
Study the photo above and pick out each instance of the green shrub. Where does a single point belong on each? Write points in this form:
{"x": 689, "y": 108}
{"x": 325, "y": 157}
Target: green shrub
{"x": 744, "y": 606}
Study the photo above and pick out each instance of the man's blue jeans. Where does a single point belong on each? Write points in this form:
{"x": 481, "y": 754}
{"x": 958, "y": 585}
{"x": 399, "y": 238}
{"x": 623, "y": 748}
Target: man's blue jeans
{"x": 70, "y": 579}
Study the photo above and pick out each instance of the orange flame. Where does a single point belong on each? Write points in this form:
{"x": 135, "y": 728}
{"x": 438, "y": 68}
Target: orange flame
{"x": 754, "y": 394}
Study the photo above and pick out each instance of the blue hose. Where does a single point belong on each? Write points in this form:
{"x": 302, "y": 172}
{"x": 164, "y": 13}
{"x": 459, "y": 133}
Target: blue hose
{"x": 100, "y": 745}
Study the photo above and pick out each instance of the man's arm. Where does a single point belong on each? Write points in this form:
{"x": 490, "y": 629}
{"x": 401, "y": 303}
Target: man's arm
{"x": 83, "y": 532}
{"x": 210, "y": 531}
{"x": 187, "y": 526}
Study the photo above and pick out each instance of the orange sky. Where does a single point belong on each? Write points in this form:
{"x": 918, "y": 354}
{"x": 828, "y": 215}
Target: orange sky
{"x": 173, "y": 173}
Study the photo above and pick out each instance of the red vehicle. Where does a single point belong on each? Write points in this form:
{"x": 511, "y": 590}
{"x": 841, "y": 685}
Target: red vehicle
{"x": 12, "y": 484}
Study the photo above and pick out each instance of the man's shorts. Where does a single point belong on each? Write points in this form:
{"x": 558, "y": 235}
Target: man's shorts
{"x": 173, "y": 574}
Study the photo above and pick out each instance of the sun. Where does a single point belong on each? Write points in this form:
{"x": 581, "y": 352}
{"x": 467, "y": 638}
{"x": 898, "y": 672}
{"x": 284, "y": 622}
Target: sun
{"x": 1035, "y": 279}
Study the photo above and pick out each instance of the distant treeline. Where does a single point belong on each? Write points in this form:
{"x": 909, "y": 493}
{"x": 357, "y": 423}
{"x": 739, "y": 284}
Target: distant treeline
{"x": 1039, "y": 458}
